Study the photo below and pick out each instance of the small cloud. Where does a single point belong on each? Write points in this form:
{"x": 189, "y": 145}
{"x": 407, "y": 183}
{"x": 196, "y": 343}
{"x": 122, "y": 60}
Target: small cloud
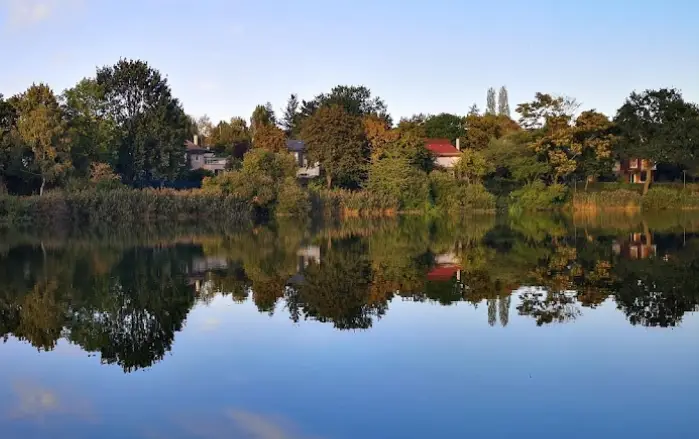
{"x": 36, "y": 403}
{"x": 22, "y": 13}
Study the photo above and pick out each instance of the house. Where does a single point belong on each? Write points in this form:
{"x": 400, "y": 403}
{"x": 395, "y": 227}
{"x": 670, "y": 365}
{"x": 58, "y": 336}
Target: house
{"x": 446, "y": 268}
{"x": 306, "y": 170}
{"x": 445, "y": 154}
{"x": 199, "y": 157}
{"x": 636, "y": 246}
{"x": 634, "y": 170}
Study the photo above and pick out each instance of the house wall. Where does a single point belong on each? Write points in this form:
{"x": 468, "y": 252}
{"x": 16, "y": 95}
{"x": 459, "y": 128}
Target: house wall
{"x": 446, "y": 162}
{"x": 196, "y": 161}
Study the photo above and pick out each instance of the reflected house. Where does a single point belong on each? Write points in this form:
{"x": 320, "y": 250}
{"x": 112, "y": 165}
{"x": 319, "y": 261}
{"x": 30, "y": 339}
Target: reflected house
{"x": 305, "y": 169}
{"x": 305, "y": 256}
{"x": 636, "y": 246}
{"x": 199, "y": 157}
{"x": 446, "y": 268}
{"x": 201, "y": 266}
{"x": 444, "y": 153}
{"x": 634, "y": 170}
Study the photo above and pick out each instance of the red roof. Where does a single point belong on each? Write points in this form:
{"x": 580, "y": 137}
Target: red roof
{"x": 441, "y": 147}
{"x": 443, "y": 272}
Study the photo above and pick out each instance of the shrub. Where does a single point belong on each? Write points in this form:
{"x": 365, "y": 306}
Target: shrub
{"x": 395, "y": 180}
{"x": 292, "y": 200}
{"x": 538, "y": 196}
{"x": 454, "y": 196}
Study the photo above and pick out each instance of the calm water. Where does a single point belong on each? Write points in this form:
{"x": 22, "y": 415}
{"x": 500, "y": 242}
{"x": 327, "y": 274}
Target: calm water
{"x": 530, "y": 327}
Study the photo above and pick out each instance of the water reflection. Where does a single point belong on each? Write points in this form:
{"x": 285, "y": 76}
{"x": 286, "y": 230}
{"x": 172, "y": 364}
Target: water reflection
{"x": 125, "y": 301}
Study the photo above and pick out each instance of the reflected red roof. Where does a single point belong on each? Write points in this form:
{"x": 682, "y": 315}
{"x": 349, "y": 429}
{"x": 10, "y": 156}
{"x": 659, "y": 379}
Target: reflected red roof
{"x": 443, "y": 272}
{"x": 441, "y": 147}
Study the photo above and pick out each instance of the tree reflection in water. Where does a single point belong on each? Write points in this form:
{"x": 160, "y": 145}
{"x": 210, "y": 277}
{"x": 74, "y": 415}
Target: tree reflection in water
{"x": 128, "y": 302}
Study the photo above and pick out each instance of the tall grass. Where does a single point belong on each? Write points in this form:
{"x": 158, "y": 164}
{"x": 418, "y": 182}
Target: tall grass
{"x": 620, "y": 200}
{"x": 119, "y": 208}
{"x": 346, "y": 203}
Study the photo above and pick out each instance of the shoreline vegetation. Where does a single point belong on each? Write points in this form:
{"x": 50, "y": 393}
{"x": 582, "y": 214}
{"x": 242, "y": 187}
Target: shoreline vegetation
{"x": 87, "y": 157}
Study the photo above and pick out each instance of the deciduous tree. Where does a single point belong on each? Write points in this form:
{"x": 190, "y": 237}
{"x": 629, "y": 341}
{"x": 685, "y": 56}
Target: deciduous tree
{"x": 490, "y": 107}
{"x": 535, "y": 114}
{"x": 503, "y": 102}
{"x": 444, "y": 126}
{"x": 336, "y": 140}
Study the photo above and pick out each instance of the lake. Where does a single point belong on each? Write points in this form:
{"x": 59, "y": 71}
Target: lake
{"x": 534, "y": 326}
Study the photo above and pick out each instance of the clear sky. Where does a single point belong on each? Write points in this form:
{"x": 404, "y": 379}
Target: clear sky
{"x": 222, "y": 57}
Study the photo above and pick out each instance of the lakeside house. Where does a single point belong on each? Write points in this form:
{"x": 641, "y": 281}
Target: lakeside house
{"x": 305, "y": 169}
{"x": 635, "y": 246}
{"x": 445, "y": 154}
{"x": 634, "y": 170}
{"x": 200, "y": 157}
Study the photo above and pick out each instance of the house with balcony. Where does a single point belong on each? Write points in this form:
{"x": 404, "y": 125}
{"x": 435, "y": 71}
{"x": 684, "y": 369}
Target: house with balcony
{"x": 634, "y": 170}
{"x": 444, "y": 153}
{"x": 200, "y": 157}
{"x": 305, "y": 168}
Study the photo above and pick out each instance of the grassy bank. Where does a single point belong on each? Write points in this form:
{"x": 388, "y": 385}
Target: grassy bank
{"x": 658, "y": 198}
{"x": 120, "y": 208}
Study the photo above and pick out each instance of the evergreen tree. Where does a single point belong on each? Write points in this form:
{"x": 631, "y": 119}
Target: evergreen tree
{"x": 490, "y": 105}
{"x": 503, "y": 102}
{"x": 291, "y": 116}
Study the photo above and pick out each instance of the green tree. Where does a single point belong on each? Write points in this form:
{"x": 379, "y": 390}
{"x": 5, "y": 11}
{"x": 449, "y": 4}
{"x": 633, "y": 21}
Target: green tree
{"x": 595, "y": 134}
{"x": 503, "y": 102}
{"x": 91, "y": 131}
{"x": 263, "y": 115}
{"x": 290, "y": 120}
{"x": 490, "y": 107}
{"x": 41, "y": 127}
{"x": 232, "y": 138}
{"x": 444, "y": 126}
{"x": 335, "y": 139}
{"x": 151, "y": 124}
{"x": 394, "y": 178}
{"x": 472, "y": 166}
{"x": 480, "y": 130}
{"x": 660, "y": 126}
{"x": 535, "y": 114}
{"x": 355, "y": 100}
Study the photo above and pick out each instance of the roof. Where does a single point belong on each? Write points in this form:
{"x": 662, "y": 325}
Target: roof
{"x": 441, "y": 147}
{"x": 193, "y": 147}
{"x": 443, "y": 272}
{"x": 295, "y": 145}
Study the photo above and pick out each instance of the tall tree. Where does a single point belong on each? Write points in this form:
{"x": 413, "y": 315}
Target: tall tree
{"x": 480, "y": 130}
{"x": 355, "y": 100}
{"x": 444, "y": 126}
{"x": 42, "y": 129}
{"x": 535, "y": 114}
{"x": 232, "y": 137}
{"x": 490, "y": 107}
{"x": 291, "y": 116}
{"x": 151, "y": 124}
{"x": 263, "y": 115}
{"x": 336, "y": 140}
{"x": 474, "y": 110}
{"x": 91, "y": 131}
{"x": 503, "y": 102}
{"x": 660, "y": 126}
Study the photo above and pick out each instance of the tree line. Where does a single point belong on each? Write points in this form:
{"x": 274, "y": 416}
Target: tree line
{"x": 124, "y": 124}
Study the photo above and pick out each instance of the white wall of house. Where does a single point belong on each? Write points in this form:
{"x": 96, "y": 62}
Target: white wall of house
{"x": 306, "y": 170}
{"x": 446, "y": 162}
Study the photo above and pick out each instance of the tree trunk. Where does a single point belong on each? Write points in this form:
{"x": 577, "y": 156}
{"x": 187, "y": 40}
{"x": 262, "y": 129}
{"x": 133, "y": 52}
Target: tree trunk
{"x": 329, "y": 180}
{"x": 43, "y": 183}
{"x": 587, "y": 182}
{"x": 649, "y": 177}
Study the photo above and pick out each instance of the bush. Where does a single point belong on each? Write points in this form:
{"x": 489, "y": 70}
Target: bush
{"x": 538, "y": 196}
{"x": 292, "y": 200}
{"x": 456, "y": 197}
{"x": 394, "y": 179}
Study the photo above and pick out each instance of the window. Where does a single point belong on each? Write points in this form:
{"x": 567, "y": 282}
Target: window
{"x": 633, "y": 164}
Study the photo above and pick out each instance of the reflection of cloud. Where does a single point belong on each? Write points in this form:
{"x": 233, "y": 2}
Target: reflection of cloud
{"x": 210, "y": 324}
{"x": 29, "y": 12}
{"x": 36, "y": 403}
{"x": 256, "y": 426}
{"x": 231, "y": 424}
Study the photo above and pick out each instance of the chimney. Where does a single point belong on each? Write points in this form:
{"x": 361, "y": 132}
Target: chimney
{"x": 458, "y": 144}
{"x": 196, "y": 140}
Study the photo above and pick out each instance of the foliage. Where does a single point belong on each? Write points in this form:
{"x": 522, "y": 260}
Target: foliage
{"x": 480, "y": 130}
{"x": 271, "y": 138}
{"x": 515, "y": 159}
{"x": 291, "y": 118}
{"x": 379, "y": 135}
{"x": 292, "y": 200}
{"x": 444, "y": 126}
{"x": 455, "y": 197}
{"x": 535, "y": 114}
{"x": 354, "y": 100}
{"x": 664, "y": 198}
{"x": 538, "y": 196}
{"x": 262, "y": 116}
{"x": 335, "y": 139}
{"x": 619, "y": 199}
{"x": 472, "y": 166}
{"x": 394, "y": 178}
{"x": 232, "y": 138}
{"x": 151, "y": 125}
{"x": 41, "y": 128}
{"x": 503, "y": 102}
{"x": 490, "y": 102}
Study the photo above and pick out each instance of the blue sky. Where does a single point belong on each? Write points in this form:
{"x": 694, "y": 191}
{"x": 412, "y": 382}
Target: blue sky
{"x": 222, "y": 57}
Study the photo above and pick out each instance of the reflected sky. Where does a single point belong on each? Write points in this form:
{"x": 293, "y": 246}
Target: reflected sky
{"x": 237, "y": 367}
